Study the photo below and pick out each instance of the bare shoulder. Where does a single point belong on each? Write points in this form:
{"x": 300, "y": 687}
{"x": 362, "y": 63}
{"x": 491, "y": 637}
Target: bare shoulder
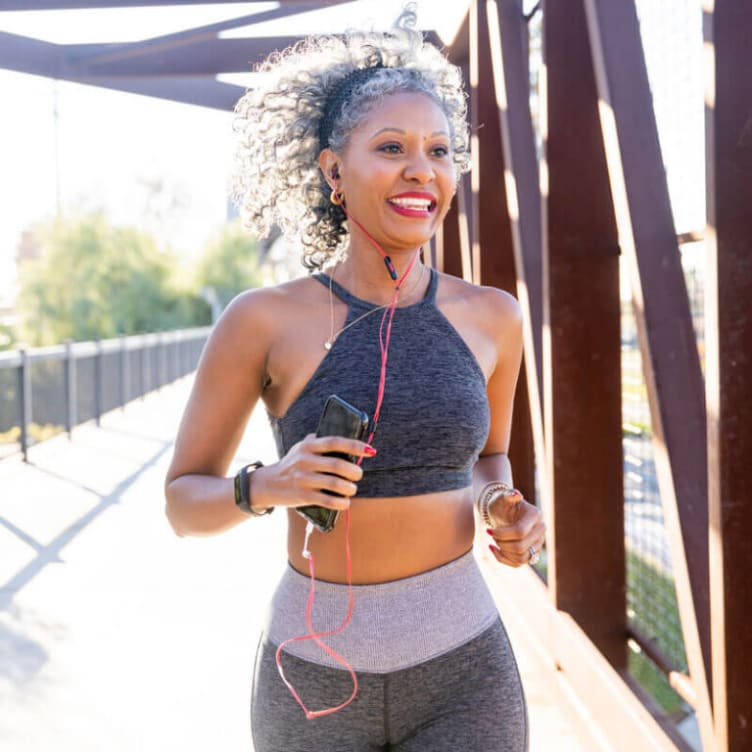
{"x": 260, "y": 313}
{"x": 491, "y": 306}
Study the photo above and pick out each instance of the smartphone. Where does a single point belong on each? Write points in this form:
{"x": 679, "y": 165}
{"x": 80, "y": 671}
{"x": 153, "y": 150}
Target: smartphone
{"x": 338, "y": 419}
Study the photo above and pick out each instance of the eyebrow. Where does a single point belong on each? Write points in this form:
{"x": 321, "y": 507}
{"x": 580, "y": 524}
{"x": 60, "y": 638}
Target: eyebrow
{"x": 399, "y": 130}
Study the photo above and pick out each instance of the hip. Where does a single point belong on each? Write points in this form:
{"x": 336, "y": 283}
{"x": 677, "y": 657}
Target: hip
{"x": 394, "y": 624}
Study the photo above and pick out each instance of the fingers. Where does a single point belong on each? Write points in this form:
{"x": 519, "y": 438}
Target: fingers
{"x": 513, "y": 542}
{"x": 333, "y": 474}
{"x": 526, "y": 518}
{"x": 336, "y": 466}
{"x": 308, "y": 474}
{"x": 340, "y": 445}
{"x": 513, "y": 557}
{"x": 322, "y": 499}
{"x": 499, "y": 556}
{"x": 328, "y": 484}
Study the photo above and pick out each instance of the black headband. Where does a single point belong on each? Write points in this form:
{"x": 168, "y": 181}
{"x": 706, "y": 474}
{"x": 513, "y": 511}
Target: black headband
{"x": 336, "y": 99}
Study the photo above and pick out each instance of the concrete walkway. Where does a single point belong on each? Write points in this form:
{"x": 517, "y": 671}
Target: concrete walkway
{"x": 115, "y": 634}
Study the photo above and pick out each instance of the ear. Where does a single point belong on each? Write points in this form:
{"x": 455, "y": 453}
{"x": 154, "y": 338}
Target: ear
{"x": 329, "y": 165}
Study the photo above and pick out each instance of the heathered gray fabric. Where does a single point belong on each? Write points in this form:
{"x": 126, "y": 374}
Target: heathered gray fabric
{"x": 445, "y": 607}
{"x": 467, "y": 700}
{"x": 434, "y": 418}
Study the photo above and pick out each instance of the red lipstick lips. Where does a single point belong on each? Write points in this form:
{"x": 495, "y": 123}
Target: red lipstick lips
{"x": 419, "y": 204}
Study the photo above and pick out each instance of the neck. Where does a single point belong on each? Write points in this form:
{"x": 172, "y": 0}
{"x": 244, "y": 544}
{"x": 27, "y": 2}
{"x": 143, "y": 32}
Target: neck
{"x": 365, "y": 275}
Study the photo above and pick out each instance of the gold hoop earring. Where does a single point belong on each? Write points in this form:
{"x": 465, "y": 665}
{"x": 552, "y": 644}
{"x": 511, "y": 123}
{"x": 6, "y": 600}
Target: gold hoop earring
{"x": 337, "y": 197}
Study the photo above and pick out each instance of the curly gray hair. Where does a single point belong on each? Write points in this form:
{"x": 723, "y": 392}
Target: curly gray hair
{"x": 277, "y": 180}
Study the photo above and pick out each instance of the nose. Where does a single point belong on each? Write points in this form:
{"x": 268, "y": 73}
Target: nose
{"x": 419, "y": 169}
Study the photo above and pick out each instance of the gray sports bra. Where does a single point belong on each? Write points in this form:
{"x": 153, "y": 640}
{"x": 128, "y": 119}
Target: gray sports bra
{"x": 434, "y": 417}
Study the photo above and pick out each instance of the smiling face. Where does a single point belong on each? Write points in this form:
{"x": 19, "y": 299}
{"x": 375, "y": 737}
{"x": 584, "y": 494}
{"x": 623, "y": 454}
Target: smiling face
{"x": 396, "y": 171}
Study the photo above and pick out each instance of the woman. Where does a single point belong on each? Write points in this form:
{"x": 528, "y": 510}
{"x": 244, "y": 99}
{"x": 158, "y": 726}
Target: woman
{"x": 354, "y": 146}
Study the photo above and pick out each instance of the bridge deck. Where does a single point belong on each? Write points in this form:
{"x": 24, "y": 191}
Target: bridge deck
{"x": 116, "y": 634}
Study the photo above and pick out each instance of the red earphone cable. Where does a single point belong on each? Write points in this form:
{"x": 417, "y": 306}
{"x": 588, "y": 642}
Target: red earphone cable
{"x": 316, "y": 636}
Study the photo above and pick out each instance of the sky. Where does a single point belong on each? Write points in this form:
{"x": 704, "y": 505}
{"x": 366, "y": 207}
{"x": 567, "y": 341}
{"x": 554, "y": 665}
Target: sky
{"x": 90, "y": 148}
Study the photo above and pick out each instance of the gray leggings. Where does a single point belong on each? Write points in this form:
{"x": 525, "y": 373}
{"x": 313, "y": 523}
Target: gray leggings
{"x": 469, "y": 699}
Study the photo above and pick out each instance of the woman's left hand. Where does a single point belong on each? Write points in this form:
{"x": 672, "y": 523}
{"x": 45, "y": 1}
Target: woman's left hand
{"x": 520, "y": 531}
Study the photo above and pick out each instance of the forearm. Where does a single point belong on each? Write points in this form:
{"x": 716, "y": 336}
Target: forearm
{"x": 489, "y": 469}
{"x": 202, "y": 505}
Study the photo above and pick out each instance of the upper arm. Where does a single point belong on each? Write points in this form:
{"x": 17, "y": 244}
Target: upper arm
{"x": 506, "y": 322}
{"x": 227, "y": 385}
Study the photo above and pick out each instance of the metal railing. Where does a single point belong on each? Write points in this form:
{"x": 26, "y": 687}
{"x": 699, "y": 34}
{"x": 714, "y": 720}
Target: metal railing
{"x": 46, "y": 390}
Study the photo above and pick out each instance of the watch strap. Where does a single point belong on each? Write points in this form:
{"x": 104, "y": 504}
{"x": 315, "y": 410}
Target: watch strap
{"x": 242, "y": 490}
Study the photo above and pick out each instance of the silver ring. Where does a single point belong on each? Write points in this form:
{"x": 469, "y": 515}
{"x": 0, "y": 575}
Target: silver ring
{"x": 534, "y": 556}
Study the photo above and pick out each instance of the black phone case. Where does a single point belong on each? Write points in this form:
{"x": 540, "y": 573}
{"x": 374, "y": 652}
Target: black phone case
{"x": 339, "y": 418}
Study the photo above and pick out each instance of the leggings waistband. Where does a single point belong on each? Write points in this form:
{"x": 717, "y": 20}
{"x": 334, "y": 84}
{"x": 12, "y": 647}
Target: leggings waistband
{"x": 394, "y": 624}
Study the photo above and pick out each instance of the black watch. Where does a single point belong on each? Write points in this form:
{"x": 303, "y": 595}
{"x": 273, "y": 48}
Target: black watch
{"x": 242, "y": 490}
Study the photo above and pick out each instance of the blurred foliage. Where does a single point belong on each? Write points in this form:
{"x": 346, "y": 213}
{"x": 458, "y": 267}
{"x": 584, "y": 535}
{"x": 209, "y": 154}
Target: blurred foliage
{"x": 35, "y": 431}
{"x": 7, "y": 337}
{"x": 229, "y": 265}
{"x": 86, "y": 279}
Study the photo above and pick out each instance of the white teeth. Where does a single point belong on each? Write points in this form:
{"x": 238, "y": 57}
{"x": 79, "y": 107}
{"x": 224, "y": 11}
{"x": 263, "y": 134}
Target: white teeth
{"x": 420, "y": 204}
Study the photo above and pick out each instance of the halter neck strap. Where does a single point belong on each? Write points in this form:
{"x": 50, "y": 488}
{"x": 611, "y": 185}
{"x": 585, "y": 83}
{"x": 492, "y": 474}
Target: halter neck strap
{"x": 352, "y": 300}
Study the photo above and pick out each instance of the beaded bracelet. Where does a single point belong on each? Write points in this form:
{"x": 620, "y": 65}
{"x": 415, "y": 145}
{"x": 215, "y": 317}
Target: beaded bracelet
{"x": 489, "y": 494}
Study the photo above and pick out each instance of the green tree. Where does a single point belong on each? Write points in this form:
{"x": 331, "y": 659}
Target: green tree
{"x": 7, "y": 337}
{"x": 229, "y": 265}
{"x": 95, "y": 280}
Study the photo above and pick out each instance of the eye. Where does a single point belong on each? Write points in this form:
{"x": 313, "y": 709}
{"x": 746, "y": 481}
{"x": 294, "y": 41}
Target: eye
{"x": 440, "y": 151}
{"x": 390, "y": 148}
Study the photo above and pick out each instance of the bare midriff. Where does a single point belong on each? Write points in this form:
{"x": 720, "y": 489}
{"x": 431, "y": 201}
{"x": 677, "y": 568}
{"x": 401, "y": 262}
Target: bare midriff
{"x": 390, "y": 538}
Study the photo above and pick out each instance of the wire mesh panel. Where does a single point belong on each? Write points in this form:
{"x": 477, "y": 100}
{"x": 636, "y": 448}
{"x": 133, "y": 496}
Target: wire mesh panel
{"x": 48, "y": 405}
{"x": 10, "y": 411}
{"x": 173, "y": 360}
{"x": 154, "y": 360}
{"x": 86, "y": 386}
{"x": 135, "y": 374}
{"x": 195, "y": 347}
{"x": 651, "y": 597}
{"x": 111, "y": 380}
{"x": 672, "y": 40}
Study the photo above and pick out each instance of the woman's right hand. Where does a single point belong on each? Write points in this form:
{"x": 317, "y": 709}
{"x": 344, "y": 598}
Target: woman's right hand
{"x": 305, "y": 472}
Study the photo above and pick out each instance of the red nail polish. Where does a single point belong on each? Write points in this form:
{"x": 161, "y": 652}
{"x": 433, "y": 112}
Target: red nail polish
{"x": 370, "y": 451}
{"x": 489, "y": 531}
{"x": 492, "y": 549}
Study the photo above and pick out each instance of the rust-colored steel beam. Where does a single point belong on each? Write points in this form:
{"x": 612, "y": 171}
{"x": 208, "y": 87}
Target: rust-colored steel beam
{"x": 678, "y": 680}
{"x": 693, "y": 236}
{"x": 27, "y": 55}
{"x": 464, "y": 207}
{"x": 671, "y": 365}
{"x": 180, "y": 66}
{"x": 195, "y": 90}
{"x": 204, "y": 57}
{"x": 448, "y": 253}
{"x": 493, "y": 252}
{"x": 582, "y": 355}
{"x": 202, "y": 44}
{"x": 207, "y": 57}
{"x": 507, "y": 34}
{"x": 454, "y": 243}
{"x": 728, "y": 365}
